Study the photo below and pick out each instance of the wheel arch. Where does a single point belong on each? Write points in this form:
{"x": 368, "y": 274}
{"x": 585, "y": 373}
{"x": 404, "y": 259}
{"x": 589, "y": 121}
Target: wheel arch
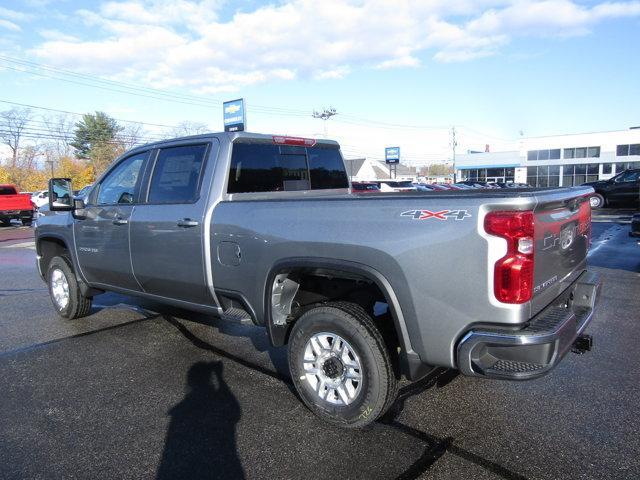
{"x": 410, "y": 363}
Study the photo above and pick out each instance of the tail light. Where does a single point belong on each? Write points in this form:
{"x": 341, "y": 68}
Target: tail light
{"x": 301, "y": 142}
{"x": 584, "y": 220}
{"x": 513, "y": 273}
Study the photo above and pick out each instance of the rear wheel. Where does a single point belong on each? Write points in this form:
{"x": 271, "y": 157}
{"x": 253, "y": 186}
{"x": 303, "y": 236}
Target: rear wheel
{"x": 64, "y": 290}
{"x": 27, "y": 222}
{"x": 6, "y": 222}
{"x": 596, "y": 201}
{"x": 340, "y": 365}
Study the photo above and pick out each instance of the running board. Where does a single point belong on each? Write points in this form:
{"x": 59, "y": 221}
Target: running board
{"x": 237, "y": 315}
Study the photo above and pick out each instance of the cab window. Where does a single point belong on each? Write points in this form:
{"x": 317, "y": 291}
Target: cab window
{"x": 119, "y": 186}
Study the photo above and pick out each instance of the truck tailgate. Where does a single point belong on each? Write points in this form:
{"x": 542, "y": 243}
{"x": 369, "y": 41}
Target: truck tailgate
{"x": 562, "y": 225}
{"x": 15, "y": 202}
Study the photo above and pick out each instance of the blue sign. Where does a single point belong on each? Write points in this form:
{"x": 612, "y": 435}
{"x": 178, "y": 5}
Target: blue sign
{"x": 392, "y": 154}
{"x": 233, "y": 114}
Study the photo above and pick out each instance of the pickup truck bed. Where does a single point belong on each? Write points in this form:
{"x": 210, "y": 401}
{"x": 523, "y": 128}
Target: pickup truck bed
{"x": 14, "y": 205}
{"x": 265, "y": 229}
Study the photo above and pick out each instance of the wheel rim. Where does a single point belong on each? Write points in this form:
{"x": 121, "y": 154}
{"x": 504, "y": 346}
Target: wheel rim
{"x": 332, "y": 368}
{"x": 59, "y": 288}
{"x": 594, "y": 202}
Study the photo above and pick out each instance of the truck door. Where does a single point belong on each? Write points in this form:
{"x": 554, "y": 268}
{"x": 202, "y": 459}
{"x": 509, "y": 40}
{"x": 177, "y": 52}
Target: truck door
{"x": 102, "y": 237}
{"x": 625, "y": 188}
{"x": 167, "y": 247}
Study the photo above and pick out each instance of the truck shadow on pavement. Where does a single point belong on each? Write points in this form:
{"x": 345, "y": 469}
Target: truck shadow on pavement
{"x": 201, "y": 438}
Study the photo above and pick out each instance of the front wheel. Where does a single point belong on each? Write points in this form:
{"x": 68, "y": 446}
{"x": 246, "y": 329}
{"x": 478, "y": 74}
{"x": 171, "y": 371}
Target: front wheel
{"x": 340, "y": 365}
{"x": 64, "y": 290}
{"x": 596, "y": 201}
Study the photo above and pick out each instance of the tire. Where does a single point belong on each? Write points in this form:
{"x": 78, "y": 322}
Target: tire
{"x": 27, "y": 222}
{"x": 59, "y": 273}
{"x": 358, "y": 342}
{"x": 6, "y": 222}
{"x": 596, "y": 201}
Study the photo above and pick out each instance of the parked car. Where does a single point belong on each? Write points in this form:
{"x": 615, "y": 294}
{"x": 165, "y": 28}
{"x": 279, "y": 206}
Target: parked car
{"x": 635, "y": 226}
{"x": 40, "y": 198}
{"x": 621, "y": 190}
{"x": 213, "y": 223}
{"x": 14, "y": 205}
{"x": 365, "y": 187}
{"x": 396, "y": 186}
{"x": 423, "y": 187}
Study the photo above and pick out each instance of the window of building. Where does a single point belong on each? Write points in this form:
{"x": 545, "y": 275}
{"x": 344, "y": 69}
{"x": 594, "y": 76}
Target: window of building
{"x": 621, "y": 167}
{"x": 606, "y": 168}
{"x": 624, "y": 150}
{"x": 544, "y": 176}
{"x": 582, "y": 152}
{"x": 578, "y": 174}
{"x": 273, "y": 168}
{"x": 176, "y": 174}
{"x": 546, "y": 154}
{"x": 489, "y": 174}
{"x": 121, "y": 183}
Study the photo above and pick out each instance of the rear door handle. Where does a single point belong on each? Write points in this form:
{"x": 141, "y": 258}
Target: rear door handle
{"x": 187, "y": 223}
{"x": 120, "y": 221}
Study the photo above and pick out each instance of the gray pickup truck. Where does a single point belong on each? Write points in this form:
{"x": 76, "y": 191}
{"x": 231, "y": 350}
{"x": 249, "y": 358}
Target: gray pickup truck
{"x": 364, "y": 290}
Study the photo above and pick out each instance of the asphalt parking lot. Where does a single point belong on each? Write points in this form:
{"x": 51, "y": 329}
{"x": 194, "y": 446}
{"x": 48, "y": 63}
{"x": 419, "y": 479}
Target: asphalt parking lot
{"x": 140, "y": 391}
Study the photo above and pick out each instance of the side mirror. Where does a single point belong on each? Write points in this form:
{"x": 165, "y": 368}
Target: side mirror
{"x": 60, "y": 194}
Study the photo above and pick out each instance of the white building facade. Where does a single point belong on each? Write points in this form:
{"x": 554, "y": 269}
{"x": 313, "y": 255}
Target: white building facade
{"x": 561, "y": 160}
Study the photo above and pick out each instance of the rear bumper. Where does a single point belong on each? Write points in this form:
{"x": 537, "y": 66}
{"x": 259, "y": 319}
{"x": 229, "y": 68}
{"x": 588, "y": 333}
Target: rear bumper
{"x": 18, "y": 214}
{"x": 537, "y": 348}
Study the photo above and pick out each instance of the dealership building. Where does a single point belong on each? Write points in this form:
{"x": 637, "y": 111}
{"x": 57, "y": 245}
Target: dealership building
{"x": 561, "y": 160}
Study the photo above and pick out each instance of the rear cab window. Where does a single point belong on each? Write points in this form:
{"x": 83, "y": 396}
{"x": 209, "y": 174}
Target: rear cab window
{"x": 263, "y": 167}
{"x": 7, "y": 190}
{"x": 176, "y": 174}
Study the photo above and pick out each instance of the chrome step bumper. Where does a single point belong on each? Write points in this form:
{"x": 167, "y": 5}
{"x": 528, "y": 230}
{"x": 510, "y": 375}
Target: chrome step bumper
{"x": 538, "y": 347}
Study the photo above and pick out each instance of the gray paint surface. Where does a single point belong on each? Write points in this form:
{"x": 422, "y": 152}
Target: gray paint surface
{"x": 441, "y": 271}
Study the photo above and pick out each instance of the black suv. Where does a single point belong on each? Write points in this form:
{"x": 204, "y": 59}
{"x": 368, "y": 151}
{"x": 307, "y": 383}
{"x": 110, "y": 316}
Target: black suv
{"x": 623, "y": 189}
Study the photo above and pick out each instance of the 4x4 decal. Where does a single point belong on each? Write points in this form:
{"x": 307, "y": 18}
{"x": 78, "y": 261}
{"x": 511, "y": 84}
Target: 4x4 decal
{"x": 440, "y": 215}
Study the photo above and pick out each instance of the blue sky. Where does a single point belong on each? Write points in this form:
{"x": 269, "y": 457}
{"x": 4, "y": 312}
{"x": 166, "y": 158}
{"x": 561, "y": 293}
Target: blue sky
{"x": 493, "y": 68}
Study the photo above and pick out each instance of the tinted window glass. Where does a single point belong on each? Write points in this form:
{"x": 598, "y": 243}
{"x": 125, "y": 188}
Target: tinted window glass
{"x": 634, "y": 149}
{"x": 569, "y": 152}
{"x": 622, "y": 150}
{"x": 593, "y": 152}
{"x": 606, "y": 168}
{"x": 543, "y": 155}
{"x": 176, "y": 174}
{"x": 554, "y": 154}
{"x": 592, "y": 169}
{"x": 326, "y": 168}
{"x": 119, "y": 185}
{"x": 273, "y": 168}
{"x": 581, "y": 152}
{"x": 7, "y": 191}
{"x": 532, "y": 155}
{"x": 554, "y": 170}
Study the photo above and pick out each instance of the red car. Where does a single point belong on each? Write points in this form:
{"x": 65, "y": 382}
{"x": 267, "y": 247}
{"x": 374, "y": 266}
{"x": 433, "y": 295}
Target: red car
{"x": 364, "y": 187}
{"x": 15, "y": 205}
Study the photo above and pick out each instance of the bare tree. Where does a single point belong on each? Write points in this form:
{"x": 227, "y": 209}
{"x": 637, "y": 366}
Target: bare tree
{"x": 61, "y": 129}
{"x": 12, "y": 129}
{"x": 186, "y": 128}
{"x": 131, "y": 135}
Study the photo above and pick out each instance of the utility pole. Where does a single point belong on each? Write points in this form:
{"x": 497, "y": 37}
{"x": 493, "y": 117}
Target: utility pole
{"x": 325, "y": 115}
{"x": 454, "y": 144}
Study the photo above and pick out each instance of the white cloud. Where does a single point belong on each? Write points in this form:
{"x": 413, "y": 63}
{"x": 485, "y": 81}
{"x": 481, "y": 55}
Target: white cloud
{"x": 9, "y": 25}
{"x": 168, "y": 43}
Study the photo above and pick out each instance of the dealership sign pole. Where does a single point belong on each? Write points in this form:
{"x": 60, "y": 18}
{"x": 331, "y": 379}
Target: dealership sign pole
{"x": 234, "y": 115}
{"x": 392, "y": 158}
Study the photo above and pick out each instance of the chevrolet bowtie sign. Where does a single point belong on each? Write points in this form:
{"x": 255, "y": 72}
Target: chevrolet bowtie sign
{"x": 234, "y": 118}
{"x": 392, "y": 154}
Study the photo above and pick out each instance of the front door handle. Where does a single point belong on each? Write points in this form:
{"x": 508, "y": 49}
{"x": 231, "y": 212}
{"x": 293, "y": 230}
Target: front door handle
{"x": 120, "y": 221}
{"x": 187, "y": 223}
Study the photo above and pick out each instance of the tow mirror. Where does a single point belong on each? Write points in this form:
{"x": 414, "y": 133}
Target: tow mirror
{"x": 60, "y": 194}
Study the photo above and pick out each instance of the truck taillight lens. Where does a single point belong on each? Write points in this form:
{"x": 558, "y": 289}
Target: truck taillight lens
{"x": 301, "y": 142}
{"x": 584, "y": 220}
{"x": 513, "y": 273}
